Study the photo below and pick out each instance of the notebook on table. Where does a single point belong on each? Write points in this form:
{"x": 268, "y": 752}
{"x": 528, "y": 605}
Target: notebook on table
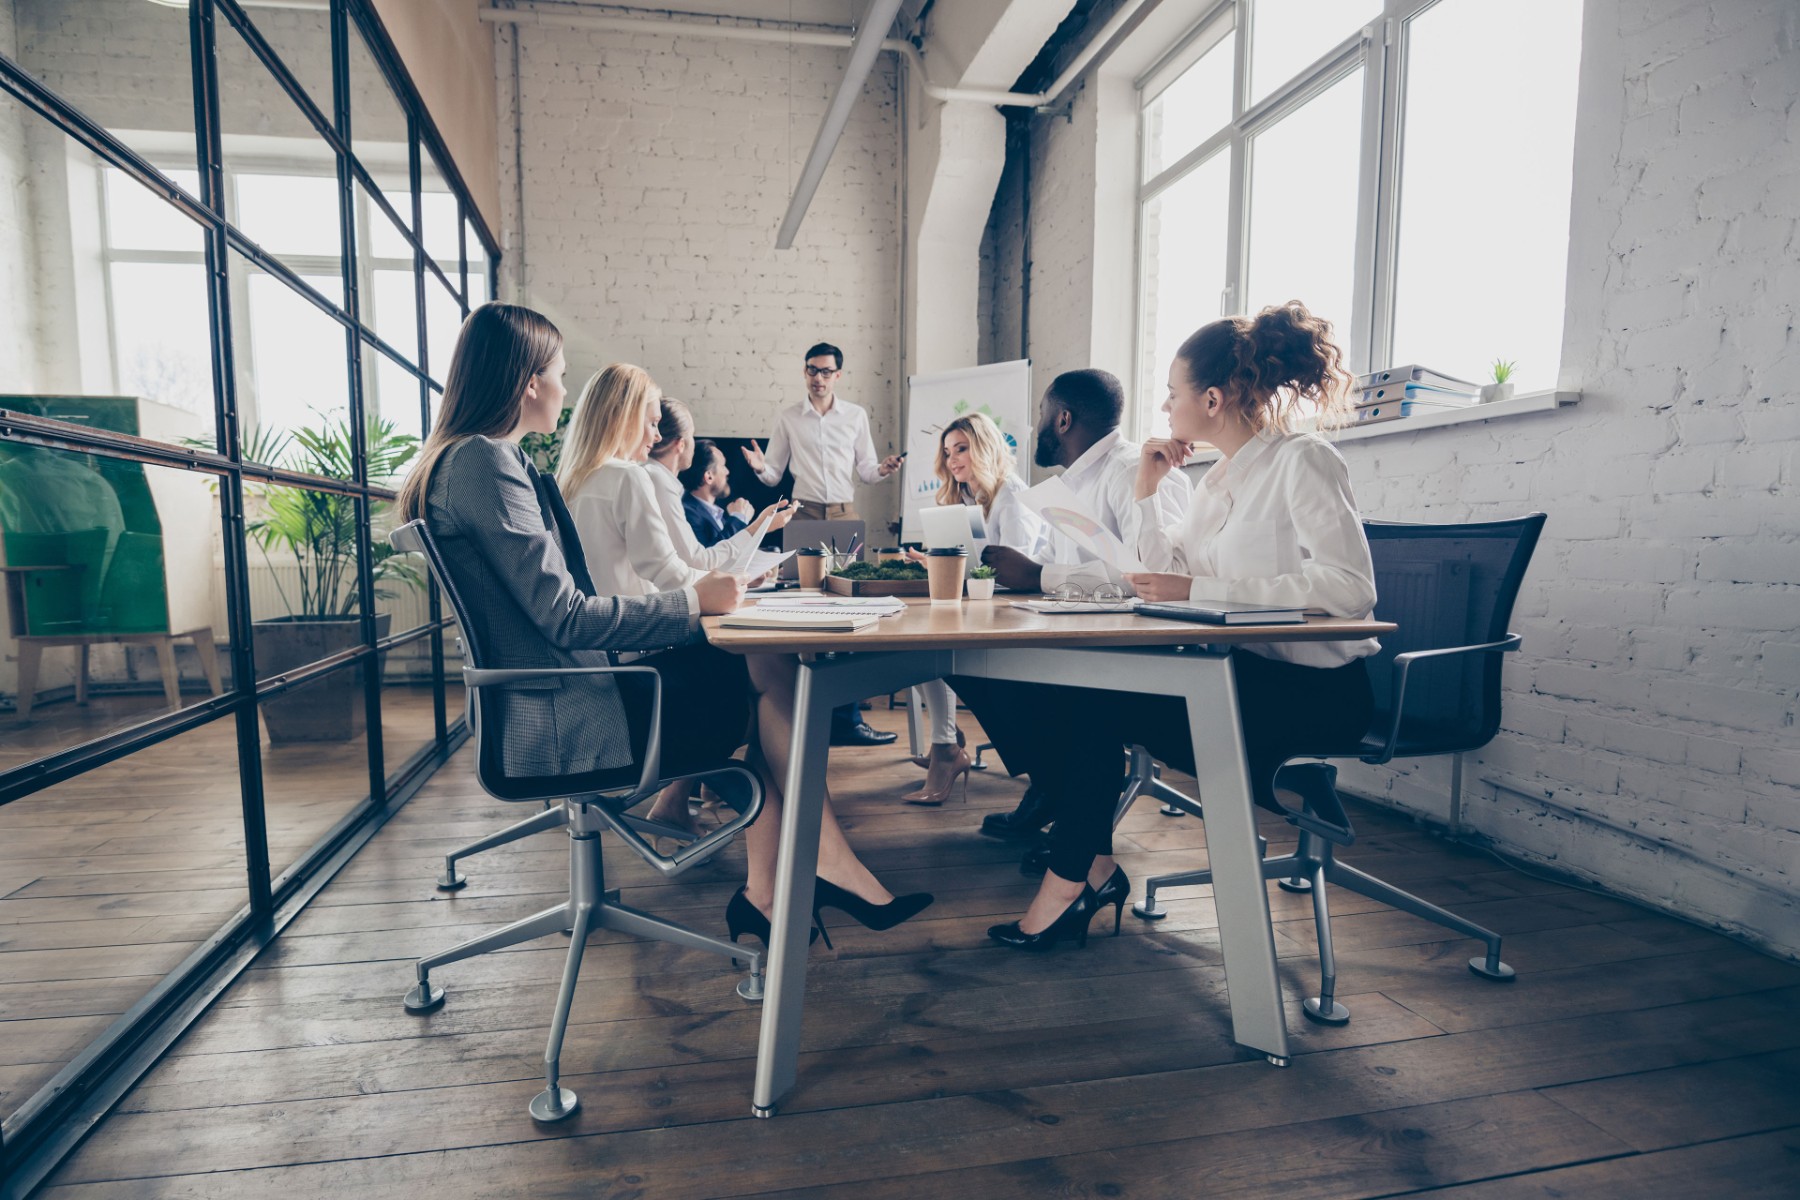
{"x": 828, "y": 621}
{"x": 1223, "y": 612}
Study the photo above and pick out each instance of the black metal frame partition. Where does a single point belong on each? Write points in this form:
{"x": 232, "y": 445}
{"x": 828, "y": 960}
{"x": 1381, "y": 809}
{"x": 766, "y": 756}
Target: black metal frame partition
{"x": 48, "y": 1124}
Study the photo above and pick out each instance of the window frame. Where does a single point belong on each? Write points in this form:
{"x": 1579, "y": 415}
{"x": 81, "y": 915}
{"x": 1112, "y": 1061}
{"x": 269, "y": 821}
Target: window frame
{"x": 1379, "y": 48}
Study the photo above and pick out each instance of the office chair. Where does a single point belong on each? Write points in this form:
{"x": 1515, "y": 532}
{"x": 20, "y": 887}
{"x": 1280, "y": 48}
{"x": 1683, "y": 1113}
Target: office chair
{"x": 586, "y": 804}
{"x": 1450, "y": 589}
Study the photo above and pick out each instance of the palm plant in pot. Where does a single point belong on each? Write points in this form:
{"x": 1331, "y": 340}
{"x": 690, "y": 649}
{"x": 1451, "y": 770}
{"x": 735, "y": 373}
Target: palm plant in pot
{"x": 308, "y": 540}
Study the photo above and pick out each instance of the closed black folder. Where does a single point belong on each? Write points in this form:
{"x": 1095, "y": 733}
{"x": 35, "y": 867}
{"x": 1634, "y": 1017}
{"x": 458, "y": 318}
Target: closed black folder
{"x": 1222, "y": 612}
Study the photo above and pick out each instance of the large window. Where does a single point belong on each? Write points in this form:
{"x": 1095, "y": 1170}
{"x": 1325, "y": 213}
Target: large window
{"x": 231, "y": 268}
{"x": 1386, "y": 163}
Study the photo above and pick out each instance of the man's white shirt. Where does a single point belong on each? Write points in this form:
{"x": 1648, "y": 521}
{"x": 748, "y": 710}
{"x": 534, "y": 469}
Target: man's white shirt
{"x": 1104, "y": 478}
{"x": 827, "y": 452}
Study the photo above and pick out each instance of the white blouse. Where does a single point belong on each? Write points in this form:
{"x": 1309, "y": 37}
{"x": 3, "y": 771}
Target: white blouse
{"x": 1011, "y": 523}
{"x": 623, "y": 534}
{"x": 1274, "y": 524}
{"x": 719, "y": 556}
{"x": 1104, "y": 478}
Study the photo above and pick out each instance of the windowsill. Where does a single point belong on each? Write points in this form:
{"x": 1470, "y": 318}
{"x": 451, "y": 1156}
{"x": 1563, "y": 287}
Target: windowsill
{"x": 1518, "y": 406}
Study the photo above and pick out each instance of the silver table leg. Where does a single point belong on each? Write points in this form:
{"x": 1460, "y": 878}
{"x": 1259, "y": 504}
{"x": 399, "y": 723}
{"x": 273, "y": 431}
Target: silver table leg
{"x": 1246, "y": 936}
{"x": 802, "y": 803}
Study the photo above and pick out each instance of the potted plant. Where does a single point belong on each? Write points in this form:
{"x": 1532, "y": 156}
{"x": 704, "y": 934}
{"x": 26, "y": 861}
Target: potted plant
{"x": 316, "y": 532}
{"x": 981, "y": 583}
{"x": 1501, "y": 388}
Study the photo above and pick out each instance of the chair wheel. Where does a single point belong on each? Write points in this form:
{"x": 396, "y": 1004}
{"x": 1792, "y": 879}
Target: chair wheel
{"x": 1299, "y": 887}
{"x": 1504, "y": 973}
{"x": 1318, "y": 1015}
{"x": 423, "y": 998}
{"x": 547, "y": 1108}
{"x": 449, "y": 881}
{"x": 1148, "y": 910}
{"x": 751, "y": 989}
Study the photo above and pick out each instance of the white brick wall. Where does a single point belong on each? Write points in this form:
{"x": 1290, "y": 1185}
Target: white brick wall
{"x": 17, "y": 343}
{"x": 1649, "y": 735}
{"x": 655, "y": 172}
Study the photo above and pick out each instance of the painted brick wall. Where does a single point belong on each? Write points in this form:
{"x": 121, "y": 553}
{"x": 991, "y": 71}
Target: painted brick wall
{"x": 655, "y": 171}
{"x": 1649, "y": 741}
{"x": 17, "y": 341}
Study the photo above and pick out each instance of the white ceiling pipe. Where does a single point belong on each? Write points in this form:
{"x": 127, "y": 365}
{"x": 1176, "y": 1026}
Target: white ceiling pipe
{"x": 863, "y": 52}
{"x": 676, "y": 26}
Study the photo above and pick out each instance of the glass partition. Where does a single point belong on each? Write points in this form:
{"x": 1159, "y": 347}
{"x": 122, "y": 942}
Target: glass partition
{"x": 148, "y": 793}
{"x": 104, "y": 319}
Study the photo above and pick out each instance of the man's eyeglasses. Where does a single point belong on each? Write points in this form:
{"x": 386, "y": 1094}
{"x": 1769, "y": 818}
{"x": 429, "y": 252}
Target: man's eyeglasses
{"x": 821, "y": 372}
{"x": 1100, "y": 595}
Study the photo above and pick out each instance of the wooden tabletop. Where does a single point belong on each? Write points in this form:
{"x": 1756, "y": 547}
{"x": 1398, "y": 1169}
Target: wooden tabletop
{"x": 928, "y": 626}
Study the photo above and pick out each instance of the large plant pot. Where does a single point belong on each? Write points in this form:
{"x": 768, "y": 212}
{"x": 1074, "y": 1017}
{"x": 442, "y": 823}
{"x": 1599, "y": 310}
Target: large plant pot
{"x": 330, "y": 709}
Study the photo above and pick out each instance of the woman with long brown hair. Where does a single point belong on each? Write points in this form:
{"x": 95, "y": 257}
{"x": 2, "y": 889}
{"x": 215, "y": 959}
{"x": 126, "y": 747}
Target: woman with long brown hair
{"x": 511, "y": 548}
{"x": 1275, "y": 523}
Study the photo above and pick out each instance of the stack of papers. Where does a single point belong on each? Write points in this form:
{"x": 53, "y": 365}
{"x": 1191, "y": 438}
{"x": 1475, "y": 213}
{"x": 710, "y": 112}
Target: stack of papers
{"x": 885, "y": 606}
{"x": 1077, "y": 606}
{"x": 817, "y": 621}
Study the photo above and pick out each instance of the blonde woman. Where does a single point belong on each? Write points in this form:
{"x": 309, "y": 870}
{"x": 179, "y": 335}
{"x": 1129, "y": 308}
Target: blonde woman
{"x": 975, "y": 467}
{"x": 620, "y": 524}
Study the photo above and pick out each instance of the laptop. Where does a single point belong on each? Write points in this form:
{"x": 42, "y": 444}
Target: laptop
{"x": 800, "y": 534}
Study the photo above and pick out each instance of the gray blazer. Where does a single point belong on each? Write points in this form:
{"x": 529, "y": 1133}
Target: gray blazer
{"x": 500, "y": 543}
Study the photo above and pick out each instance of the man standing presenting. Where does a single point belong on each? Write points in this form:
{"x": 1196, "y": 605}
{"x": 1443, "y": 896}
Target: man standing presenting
{"x": 826, "y": 442}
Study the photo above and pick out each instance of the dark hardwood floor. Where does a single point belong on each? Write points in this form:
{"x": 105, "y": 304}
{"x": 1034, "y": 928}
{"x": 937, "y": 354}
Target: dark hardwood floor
{"x": 110, "y": 879}
{"x": 1635, "y": 1056}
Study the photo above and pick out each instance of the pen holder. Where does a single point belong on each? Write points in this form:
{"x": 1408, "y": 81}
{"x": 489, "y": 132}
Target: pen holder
{"x": 944, "y": 568}
{"x": 812, "y": 567}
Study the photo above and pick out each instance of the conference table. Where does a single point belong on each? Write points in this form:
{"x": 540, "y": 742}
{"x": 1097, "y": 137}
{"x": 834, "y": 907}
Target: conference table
{"x": 1112, "y": 651}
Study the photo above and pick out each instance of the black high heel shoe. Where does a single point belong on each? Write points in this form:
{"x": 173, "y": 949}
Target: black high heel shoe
{"x": 878, "y": 917}
{"x": 1072, "y": 925}
{"x": 1115, "y": 891}
{"x": 743, "y": 917}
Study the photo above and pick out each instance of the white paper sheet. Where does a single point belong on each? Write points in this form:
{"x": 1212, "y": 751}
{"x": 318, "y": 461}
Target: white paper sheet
{"x": 1058, "y": 504}
{"x": 765, "y": 560}
{"x": 743, "y": 565}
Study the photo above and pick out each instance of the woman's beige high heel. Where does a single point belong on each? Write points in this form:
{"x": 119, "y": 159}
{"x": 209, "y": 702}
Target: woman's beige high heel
{"x": 924, "y": 760}
{"x": 931, "y": 796}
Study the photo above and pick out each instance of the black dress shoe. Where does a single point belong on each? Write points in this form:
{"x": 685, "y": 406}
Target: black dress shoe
{"x": 1032, "y": 815}
{"x": 860, "y": 734}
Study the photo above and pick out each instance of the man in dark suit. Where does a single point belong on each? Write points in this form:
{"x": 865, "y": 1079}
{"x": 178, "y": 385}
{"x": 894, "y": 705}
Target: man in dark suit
{"x": 707, "y": 484}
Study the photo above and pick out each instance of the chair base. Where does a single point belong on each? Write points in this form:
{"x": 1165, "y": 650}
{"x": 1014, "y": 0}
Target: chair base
{"x": 589, "y": 907}
{"x": 449, "y": 881}
{"x": 423, "y": 998}
{"x": 1307, "y": 871}
{"x": 1315, "y": 1012}
{"x": 1498, "y": 971}
{"x": 554, "y": 1105}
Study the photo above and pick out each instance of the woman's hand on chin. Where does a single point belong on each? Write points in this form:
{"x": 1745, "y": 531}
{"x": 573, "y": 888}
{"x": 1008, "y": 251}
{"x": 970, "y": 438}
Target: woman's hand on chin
{"x": 1158, "y": 457}
{"x": 1159, "y": 587}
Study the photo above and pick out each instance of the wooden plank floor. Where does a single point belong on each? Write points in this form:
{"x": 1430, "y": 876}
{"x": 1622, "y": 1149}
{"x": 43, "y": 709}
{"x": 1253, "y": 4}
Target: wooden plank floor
{"x": 108, "y": 880}
{"x": 1635, "y": 1056}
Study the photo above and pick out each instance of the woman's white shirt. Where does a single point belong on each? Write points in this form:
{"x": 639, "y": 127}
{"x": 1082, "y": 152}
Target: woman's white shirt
{"x": 1010, "y": 522}
{"x": 721, "y": 555}
{"x": 624, "y": 536}
{"x": 1276, "y": 524}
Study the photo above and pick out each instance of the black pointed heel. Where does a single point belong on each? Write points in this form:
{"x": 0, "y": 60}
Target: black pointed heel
{"x": 743, "y": 917}
{"x": 1071, "y": 926}
{"x": 878, "y": 917}
{"x": 1115, "y": 891}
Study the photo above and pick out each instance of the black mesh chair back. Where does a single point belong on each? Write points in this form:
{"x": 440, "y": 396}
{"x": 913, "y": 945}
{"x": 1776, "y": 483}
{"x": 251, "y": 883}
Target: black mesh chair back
{"x": 509, "y": 781}
{"x": 1445, "y": 586}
